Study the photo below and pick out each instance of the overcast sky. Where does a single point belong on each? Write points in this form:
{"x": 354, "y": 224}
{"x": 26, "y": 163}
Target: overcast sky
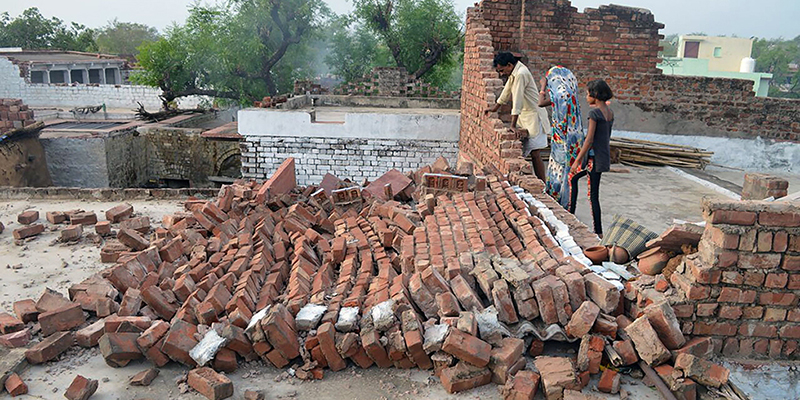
{"x": 745, "y": 18}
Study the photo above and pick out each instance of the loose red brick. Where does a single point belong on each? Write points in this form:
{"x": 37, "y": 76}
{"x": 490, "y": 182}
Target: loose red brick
{"x": 665, "y": 323}
{"x": 10, "y": 324}
{"x": 154, "y": 297}
{"x": 119, "y": 213}
{"x": 62, "y": 319}
{"x": 83, "y": 218}
{"x": 212, "y": 385}
{"x": 467, "y": 348}
{"x": 521, "y": 386}
{"x": 90, "y": 335}
{"x": 144, "y": 378}
{"x": 705, "y": 372}
{"x": 26, "y": 310}
{"x": 50, "y": 348}
{"x": 609, "y": 382}
{"x": 327, "y": 342}
{"x": 71, "y": 233}
{"x": 132, "y": 239}
{"x": 28, "y": 231}
{"x": 15, "y": 386}
{"x": 55, "y": 217}
{"x": 119, "y": 349}
{"x": 16, "y": 339}
{"x": 645, "y": 338}
{"x": 179, "y": 341}
{"x": 28, "y": 217}
{"x": 225, "y": 361}
{"x": 103, "y": 228}
{"x": 464, "y": 376}
{"x": 625, "y": 350}
{"x": 583, "y": 319}
{"x": 81, "y": 388}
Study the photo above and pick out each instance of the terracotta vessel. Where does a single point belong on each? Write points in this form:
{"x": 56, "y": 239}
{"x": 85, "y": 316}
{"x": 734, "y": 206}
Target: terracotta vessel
{"x": 597, "y": 254}
{"x": 619, "y": 255}
{"x": 652, "y": 261}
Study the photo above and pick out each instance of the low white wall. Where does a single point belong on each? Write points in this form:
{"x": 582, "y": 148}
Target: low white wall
{"x": 366, "y": 145}
{"x": 375, "y": 125}
{"x": 12, "y": 85}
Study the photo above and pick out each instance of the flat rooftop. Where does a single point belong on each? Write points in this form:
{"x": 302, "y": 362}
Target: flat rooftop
{"x": 54, "y": 57}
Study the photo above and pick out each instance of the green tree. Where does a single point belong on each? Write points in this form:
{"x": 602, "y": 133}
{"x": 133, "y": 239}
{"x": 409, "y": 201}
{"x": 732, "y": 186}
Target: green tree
{"x": 124, "y": 37}
{"x": 423, "y": 36}
{"x": 354, "y": 49}
{"x": 240, "y": 50}
{"x": 774, "y": 56}
{"x": 31, "y": 30}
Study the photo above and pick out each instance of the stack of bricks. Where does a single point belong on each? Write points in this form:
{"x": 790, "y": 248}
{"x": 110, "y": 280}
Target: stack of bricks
{"x": 288, "y": 275}
{"x": 392, "y": 82}
{"x": 741, "y": 289}
{"x": 308, "y": 87}
{"x": 762, "y": 186}
{"x": 14, "y": 115}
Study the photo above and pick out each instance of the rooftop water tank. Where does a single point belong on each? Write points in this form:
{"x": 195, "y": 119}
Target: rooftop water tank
{"x": 748, "y": 65}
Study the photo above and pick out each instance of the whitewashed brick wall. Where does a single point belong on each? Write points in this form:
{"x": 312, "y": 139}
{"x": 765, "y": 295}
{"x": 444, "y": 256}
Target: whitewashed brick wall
{"x": 12, "y": 85}
{"x": 344, "y": 157}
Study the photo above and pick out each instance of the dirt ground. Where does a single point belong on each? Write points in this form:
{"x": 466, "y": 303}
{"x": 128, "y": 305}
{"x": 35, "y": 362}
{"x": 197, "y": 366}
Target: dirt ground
{"x": 43, "y": 262}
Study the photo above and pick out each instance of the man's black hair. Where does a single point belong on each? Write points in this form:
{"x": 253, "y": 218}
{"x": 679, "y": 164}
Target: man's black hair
{"x": 600, "y": 90}
{"x": 504, "y": 58}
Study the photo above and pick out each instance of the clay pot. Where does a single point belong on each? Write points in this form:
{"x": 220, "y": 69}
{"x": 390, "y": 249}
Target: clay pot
{"x": 653, "y": 261}
{"x": 597, "y": 254}
{"x": 619, "y": 255}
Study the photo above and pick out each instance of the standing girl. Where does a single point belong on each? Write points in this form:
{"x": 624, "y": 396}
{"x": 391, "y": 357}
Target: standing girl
{"x": 594, "y": 157}
{"x": 560, "y": 89}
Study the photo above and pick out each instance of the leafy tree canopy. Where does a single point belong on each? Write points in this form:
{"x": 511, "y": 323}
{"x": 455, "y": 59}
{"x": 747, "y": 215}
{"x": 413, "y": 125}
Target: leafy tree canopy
{"x": 124, "y": 37}
{"x": 240, "y": 50}
{"x": 31, "y": 30}
{"x": 423, "y": 36}
{"x": 780, "y": 58}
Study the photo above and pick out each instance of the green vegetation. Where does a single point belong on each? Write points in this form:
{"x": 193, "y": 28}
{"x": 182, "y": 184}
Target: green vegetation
{"x": 241, "y": 50}
{"x": 775, "y": 56}
{"x": 124, "y": 37}
{"x": 31, "y": 30}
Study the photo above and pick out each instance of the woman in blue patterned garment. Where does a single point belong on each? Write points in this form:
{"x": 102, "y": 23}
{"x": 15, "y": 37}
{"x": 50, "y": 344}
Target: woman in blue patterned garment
{"x": 560, "y": 89}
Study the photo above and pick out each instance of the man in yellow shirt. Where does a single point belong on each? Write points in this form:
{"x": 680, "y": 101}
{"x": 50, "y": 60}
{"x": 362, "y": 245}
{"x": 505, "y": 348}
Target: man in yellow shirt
{"x": 528, "y": 120}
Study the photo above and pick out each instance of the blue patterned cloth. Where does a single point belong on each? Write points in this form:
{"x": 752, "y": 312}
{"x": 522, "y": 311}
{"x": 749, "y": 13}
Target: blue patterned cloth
{"x": 568, "y": 134}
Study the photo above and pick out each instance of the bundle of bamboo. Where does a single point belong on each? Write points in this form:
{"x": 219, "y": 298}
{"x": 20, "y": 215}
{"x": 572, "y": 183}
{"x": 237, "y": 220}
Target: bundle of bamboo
{"x": 635, "y": 152}
{"x": 642, "y": 152}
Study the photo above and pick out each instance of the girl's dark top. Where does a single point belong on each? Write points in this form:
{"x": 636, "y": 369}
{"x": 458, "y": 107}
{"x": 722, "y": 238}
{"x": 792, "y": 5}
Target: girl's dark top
{"x": 601, "y": 148}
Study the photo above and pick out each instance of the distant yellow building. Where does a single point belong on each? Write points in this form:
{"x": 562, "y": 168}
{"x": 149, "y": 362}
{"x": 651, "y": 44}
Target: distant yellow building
{"x": 722, "y": 53}
{"x": 716, "y": 57}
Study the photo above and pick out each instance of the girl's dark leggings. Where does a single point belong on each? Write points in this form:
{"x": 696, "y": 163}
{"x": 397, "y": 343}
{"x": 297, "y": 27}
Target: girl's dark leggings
{"x": 594, "y": 197}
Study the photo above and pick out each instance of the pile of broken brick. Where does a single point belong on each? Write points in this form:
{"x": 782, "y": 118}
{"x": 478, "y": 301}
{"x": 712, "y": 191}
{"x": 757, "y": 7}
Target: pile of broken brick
{"x": 468, "y": 278}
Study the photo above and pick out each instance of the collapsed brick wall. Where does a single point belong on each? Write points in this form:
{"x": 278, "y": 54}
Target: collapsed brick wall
{"x": 354, "y": 158}
{"x": 391, "y": 82}
{"x": 616, "y": 43}
{"x": 743, "y": 285}
{"x": 14, "y": 115}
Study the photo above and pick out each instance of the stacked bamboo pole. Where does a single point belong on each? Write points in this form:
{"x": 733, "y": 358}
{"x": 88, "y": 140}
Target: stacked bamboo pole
{"x": 635, "y": 152}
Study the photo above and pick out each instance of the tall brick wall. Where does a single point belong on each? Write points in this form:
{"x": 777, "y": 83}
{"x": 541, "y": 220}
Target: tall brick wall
{"x": 484, "y": 140}
{"x": 742, "y": 287}
{"x": 616, "y": 43}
